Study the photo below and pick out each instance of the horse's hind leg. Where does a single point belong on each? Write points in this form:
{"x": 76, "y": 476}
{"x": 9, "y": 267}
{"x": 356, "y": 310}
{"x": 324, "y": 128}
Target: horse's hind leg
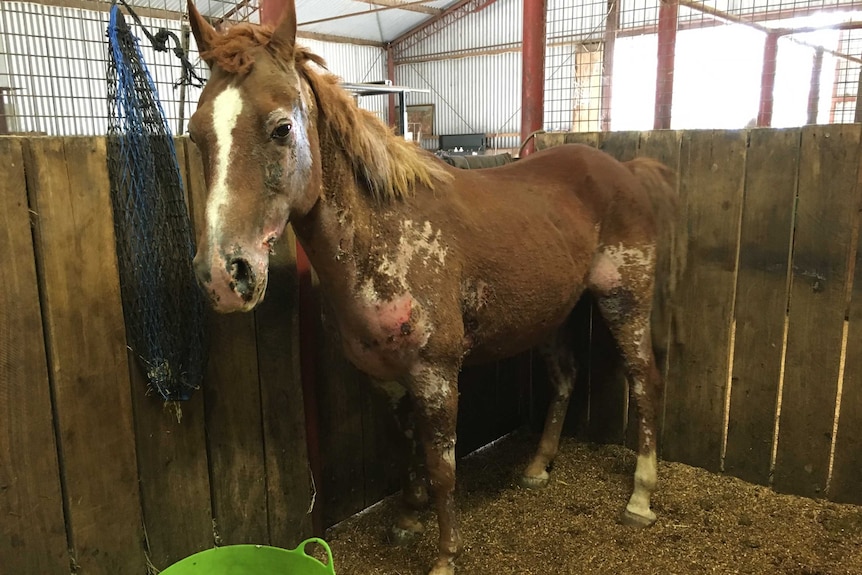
{"x": 414, "y": 490}
{"x": 625, "y": 298}
{"x": 559, "y": 357}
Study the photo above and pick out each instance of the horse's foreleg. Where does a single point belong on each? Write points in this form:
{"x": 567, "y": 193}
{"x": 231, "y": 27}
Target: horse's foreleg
{"x": 435, "y": 394}
{"x": 414, "y": 491}
{"x": 560, "y": 360}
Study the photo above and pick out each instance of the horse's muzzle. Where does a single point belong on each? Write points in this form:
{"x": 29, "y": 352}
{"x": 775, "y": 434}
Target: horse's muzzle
{"x": 235, "y": 283}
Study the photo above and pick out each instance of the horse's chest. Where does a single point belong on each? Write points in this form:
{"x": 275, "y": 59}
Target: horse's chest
{"x": 386, "y": 335}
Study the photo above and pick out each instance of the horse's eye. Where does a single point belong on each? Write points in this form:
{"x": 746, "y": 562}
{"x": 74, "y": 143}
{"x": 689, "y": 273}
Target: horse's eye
{"x": 281, "y": 131}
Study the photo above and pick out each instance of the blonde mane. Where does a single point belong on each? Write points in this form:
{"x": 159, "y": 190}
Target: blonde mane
{"x": 390, "y": 166}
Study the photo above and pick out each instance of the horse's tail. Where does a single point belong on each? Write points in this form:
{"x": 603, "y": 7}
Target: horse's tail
{"x": 659, "y": 181}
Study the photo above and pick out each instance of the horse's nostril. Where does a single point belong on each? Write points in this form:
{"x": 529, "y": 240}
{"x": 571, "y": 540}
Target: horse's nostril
{"x": 243, "y": 278}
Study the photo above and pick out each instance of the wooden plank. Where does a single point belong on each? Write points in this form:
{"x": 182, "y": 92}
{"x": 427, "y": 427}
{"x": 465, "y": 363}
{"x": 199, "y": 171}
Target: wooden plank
{"x": 824, "y": 226}
{"x": 83, "y": 317}
{"x": 33, "y": 530}
{"x": 587, "y": 138}
{"x": 621, "y": 145}
{"x": 711, "y": 185}
{"x": 664, "y": 146}
{"x": 845, "y": 485}
{"x": 340, "y": 392}
{"x": 172, "y": 461}
{"x": 288, "y": 478}
{"x": 232, "y": 402}
{"x": 382, "y": 472}
{"x": 761, "y": 300}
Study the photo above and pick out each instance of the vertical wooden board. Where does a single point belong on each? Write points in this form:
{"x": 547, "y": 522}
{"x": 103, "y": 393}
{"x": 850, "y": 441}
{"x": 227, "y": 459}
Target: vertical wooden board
{"x": 32, "y": 531}
{"x": 846, "y": 483}
{"x": 476, "y": 407}
{"x": 587, "y": 138}
{"x": 661, "y": 145}
{"x": 340, "y": 392}
{"x": 826, "y": 213}
{"x": 550, "y": 139}
{"x": 69, "y": 190}
{"x": 621, "y": 145}
{"x": 172, "y": 462}
{"x": 711, "y": 186}
{"x": 761, "y": 300}
{"x": 288, "y": 483}
{"x": 232, "y": 401}
{"x": 382, "y": 465}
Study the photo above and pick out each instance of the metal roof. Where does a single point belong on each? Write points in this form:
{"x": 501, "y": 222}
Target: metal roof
{"x": 379, "y": 21}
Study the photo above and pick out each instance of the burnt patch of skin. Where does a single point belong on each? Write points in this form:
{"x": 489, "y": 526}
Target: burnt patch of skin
{"x": 274, "y": 176}
{"x": 619, "y": 304}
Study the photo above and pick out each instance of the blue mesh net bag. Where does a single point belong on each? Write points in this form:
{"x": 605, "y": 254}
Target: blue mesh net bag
{"x": 163, "y": 308}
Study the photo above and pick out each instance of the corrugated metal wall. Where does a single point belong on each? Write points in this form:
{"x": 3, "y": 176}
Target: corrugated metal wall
{"x": 471, "y": 94}
{"x": 53, "y": 64}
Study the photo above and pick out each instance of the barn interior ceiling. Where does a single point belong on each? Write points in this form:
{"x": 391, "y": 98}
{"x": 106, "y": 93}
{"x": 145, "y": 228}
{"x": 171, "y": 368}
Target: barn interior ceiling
{"x": 360, "y": 21}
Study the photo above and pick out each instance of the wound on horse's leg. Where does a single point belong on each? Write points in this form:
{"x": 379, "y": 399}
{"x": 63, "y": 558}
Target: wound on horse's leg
{"x": 435, "y": 392}
{"x": 560, "y": 360}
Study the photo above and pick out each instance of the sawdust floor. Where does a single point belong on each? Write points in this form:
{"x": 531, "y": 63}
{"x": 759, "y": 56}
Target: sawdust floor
{"x": 707, "y": 523}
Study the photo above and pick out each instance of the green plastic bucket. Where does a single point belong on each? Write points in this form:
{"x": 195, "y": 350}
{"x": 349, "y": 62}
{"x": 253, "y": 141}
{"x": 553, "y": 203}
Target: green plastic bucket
{"x": 254, "y": 560}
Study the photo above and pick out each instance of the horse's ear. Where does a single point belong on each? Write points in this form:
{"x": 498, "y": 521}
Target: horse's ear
{"x": 285, "y": 31}
{"x": 203, "y": 31}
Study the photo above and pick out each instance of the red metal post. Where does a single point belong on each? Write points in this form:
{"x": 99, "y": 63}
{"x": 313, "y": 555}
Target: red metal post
{"x": 533, "y": 71}
{"x": 271, "y": 12}
{"x": 814, "y": 90}
{"x": 767, "y": 80}
{"x": 390, "y": 74}
{"x": 667, "y": 25}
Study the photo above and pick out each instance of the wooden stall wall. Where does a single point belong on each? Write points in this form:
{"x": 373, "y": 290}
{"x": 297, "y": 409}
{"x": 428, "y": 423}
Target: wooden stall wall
{"x": 96, "y": 476}
{"x": 762, "y": 375}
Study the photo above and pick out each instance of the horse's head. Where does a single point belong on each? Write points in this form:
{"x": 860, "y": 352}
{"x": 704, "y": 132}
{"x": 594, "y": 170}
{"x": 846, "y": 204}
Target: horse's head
{"x": 254, "y": 127}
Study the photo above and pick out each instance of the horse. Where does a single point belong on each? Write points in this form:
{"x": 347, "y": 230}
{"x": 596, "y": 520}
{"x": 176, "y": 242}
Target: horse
{"x": 426, "y": 267}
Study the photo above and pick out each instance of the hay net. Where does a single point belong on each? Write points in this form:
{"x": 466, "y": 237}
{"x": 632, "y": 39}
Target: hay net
{"x": 163, "y": 307}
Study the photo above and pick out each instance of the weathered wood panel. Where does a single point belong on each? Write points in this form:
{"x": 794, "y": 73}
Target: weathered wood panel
{"x": 761, "y": 300}
{"x": 846, "y": 483}
{"x": 711, "y": 184}
{"x": 232, "y": 400}
{"x": 288, "y": 477}
{"x": 32, "y": 529}
{"x": 69, "y": 190}
{"x": 826, "y": 213}
{"x": 172, "y": 461}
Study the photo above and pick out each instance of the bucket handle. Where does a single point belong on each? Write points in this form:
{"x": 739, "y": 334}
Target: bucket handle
{"x": 322, "y": 543}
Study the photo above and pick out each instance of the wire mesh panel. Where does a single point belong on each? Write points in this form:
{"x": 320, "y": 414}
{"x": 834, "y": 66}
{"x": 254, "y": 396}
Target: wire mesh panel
{"x": 638, "y": 64}
{"x": 53, "y": 61}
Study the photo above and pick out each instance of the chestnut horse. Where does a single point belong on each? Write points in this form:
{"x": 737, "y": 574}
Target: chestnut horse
{"x": 426, "y": 267}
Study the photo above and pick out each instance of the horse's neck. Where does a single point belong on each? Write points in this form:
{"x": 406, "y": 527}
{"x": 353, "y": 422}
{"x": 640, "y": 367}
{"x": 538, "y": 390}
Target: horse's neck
{"x": 336, "y": 234}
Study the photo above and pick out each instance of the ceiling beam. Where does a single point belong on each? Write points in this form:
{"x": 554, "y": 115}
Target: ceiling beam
{"x": 339, "y": 39}
{"x": 399, "y": 4}
{"x": 433, "y": 25}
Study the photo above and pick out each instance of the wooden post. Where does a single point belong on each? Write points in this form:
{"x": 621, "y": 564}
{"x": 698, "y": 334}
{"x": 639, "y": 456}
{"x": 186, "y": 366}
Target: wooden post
{"x": 270, "y": 14}
{"x": 667, "y": 25}
{"x": 533, "y": 81}
{"x": 814, "y": 91}
{"x": 610, "y": 39}
{"x": 390, "y": 74}
{"x": 767, "y": 80}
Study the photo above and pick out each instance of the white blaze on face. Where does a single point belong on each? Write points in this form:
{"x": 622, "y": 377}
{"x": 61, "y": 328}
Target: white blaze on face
{"x": 226, "y": 109}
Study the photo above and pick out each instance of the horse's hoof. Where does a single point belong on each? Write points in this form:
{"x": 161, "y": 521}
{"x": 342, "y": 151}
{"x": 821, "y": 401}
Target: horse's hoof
{"x": 447, "y": 568}
{"x": 637, "y": 521}
{"x": 537, "y": 482}
{"x": 401, "y": 536}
